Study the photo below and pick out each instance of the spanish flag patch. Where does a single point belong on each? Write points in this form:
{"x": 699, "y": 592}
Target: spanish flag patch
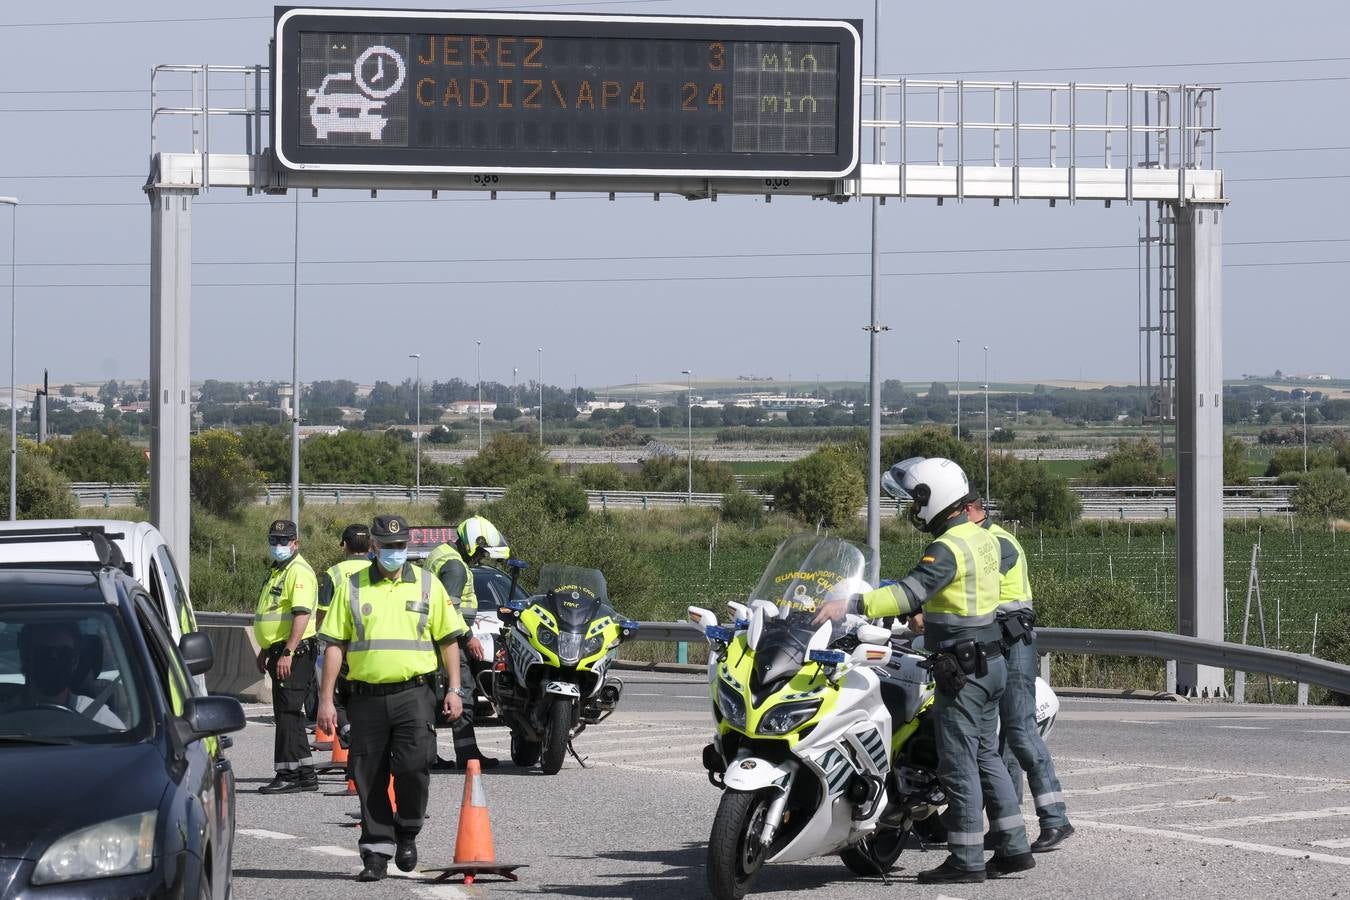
{"x": 929, "y": 559}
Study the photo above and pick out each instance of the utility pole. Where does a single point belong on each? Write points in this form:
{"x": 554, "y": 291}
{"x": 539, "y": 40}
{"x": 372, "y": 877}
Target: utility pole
{"x": 479, "y": 353}
{"x": 986, "y": 422}
{"x": 1305, "y": 431}
{"x": 417, "y": 440}
{"x": 874, "y": 333}
{"x": 541, "y": 396}
{"x": 958, "y": 389}
{"x": 689, "y": 410}
{"x": 13, "y": 204}
{"x": 295, "y": 369}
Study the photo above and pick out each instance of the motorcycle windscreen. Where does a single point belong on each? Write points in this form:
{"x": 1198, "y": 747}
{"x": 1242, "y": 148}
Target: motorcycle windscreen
{"x": 579, "y": 595}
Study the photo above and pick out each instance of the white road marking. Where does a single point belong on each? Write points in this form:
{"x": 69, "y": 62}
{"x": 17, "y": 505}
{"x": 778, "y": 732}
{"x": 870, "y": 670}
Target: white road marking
{"x": 1236, "y": 774}
{"x": 1338, "y": 844}
{"x": 1139, "y": 785}
{"x": 1216, "y": 842}
{"x": 1325, "y": 731}
{"x": 264, "y": 833}
{"x": 440, "y": 892}
{"x": 1329, "y": 812}
{"x": 1179, "y": 804}
{"x": 1139, "y": 722}
{"x": 335, "y": 851}
{"x": 1243, "y": 727}
{"x": 1095, "y": 770}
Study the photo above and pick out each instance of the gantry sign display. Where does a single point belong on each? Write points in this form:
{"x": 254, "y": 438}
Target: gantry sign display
{"x": 459, "y": 92}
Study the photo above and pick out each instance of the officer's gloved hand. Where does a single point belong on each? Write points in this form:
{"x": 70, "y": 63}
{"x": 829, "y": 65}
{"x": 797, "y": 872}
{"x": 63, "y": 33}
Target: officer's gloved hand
{"x": 947, "y": 673}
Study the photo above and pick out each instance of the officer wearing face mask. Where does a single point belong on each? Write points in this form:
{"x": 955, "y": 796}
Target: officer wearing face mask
{"x": 284, "y": 627}
{"x": 393, "y": 623}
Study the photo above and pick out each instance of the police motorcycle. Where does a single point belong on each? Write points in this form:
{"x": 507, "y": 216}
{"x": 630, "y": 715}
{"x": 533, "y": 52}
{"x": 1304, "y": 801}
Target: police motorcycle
{"x": 803, "y": 748}
{"x": 551, "y": 677}
{"x": 494, "y": 588}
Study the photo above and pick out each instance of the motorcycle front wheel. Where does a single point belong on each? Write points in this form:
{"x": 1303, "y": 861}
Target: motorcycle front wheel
{"x": 875, "y": 854}
{"x": 735, "y": 854}
{"x": 556, "y": 732}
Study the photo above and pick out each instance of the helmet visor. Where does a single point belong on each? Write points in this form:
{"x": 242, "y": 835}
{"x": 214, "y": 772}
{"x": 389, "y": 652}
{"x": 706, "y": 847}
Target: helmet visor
{"x": 896, "y": 481}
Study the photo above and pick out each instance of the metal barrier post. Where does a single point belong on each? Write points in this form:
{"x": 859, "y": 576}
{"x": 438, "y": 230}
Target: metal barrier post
{"x": 682, "y": 656}
{"x": 1045, "y": 667}
{"x": 1171, "y": 685}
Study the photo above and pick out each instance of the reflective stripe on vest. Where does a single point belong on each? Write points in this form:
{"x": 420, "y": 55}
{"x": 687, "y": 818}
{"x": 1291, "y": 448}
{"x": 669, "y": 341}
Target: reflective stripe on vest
{"x": 972, "y": 597}
{"x": 1014, "y": 589}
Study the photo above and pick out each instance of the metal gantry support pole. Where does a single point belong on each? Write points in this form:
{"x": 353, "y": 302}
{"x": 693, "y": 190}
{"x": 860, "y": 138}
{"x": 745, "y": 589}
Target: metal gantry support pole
{"x": 170, "y": 365}
{"x": 874, "y": 333}
{"x": 295, "y": 369}
{"x": 13, "y": 204}
{"x": 1199, "y": 406}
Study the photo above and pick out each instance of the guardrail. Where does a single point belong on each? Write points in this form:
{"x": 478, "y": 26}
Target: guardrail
{"x": 1173, "y": 648}
{"x": 1098, "y": 502}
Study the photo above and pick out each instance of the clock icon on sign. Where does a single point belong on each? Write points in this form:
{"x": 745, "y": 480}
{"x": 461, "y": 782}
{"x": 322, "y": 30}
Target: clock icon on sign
{"x": 380, "y": 72}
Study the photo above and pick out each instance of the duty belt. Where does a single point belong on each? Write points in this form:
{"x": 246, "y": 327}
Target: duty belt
{"x": 307, "y": 646}
{"x": 366, "y": 688}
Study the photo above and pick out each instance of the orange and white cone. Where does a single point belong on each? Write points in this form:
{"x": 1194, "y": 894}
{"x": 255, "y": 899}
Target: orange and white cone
{"x": 474, "y": 854}
{"x": 323, "y": 739}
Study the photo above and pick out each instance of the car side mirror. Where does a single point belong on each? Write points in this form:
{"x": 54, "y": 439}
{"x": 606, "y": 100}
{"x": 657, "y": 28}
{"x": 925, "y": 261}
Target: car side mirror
{"x": 213, "y": 715}
{"x": 195, "y": 648}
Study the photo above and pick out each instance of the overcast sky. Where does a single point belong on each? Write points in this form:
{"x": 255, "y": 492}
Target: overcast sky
{"x": 78, "y": 172}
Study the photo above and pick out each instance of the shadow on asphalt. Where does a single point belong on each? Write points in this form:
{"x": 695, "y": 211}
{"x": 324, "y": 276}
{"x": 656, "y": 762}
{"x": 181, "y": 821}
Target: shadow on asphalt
{"x": 685, "y": 876}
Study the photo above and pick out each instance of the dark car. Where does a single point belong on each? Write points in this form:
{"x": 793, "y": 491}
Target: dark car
{"x": 113, "y": 782}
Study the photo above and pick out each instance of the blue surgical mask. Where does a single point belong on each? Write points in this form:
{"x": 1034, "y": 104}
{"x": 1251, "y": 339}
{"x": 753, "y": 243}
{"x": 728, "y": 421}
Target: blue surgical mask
{"x": 280, "y": 552}
{"x": 392, "y": 560}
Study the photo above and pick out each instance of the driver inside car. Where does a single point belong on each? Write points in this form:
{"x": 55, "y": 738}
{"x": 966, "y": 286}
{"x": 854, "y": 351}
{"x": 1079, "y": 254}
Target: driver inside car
{"x": 49, "y": 655}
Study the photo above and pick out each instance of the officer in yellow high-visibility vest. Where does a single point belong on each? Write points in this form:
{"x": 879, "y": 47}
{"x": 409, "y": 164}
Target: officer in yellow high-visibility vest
{"x": 956, "y": 584}
{"x": 476, "y": 541}
{"x": 284, "y": 627}
{"x": 1022, "y": 745}
{"x": 355, "y": 547}
{"x": 394, "y": 623}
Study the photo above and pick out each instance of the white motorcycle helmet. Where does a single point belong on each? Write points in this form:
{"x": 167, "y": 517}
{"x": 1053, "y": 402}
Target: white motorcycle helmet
{"x": 932, "y": 485}
{"x": 476, "y": 533}
{"x": 1047, "y": 707}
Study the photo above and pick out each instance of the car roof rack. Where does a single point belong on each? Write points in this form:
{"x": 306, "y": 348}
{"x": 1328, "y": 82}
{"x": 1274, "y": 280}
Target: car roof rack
{"x": 107, "y": 552}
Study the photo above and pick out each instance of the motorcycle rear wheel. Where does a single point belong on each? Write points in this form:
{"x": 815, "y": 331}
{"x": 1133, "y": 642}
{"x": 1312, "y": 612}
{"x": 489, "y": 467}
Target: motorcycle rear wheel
{"x": 875, "y": 854}
{"x": 735, "y": 854}
{"x": 556, "y": 732}
{"x": 524, "y": 753}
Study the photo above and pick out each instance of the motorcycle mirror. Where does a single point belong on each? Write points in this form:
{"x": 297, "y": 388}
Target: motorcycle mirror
{"x": 871, "y": 655}
{"x": 873, "y": 634}
{"x": 756, "y": 626}
{"x": 701, "y": 617}
{"x": 768, "y": 608}
{"x": 739, "y": 610}
{"x": 821, "y": 639}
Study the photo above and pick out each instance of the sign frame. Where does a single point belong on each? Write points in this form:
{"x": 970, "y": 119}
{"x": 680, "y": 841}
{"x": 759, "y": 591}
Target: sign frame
{"x": 289, "y": 155}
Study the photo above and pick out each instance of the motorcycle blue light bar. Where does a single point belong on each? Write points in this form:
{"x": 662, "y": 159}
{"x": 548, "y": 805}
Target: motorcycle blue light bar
{"x": 718, "y": 633}
{"x": 828, "y": 657}
{"x": 628, "y": 625}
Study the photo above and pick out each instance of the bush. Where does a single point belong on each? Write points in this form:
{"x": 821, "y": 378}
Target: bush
{"x": 223, "y": 479}
{"x": 1234, "y": 461}
{"x": 671, "y": 474}
{"x": 1027, "y": 492}
{"x": 743, "y": 508}
{"x": 1137, "y": 462}
{"x": 506, "y": 459}
{"x": 94, "y": 455}
{"x": 824, "y": 487}
{"x": 269, "y": 449}
{"x": 363, "y": 457}
{"x": 41, "y": 491}
{"x": 563, "y": 499}
{"x": 1288, "y": 461}
{"x": 1323, "y": 494}
{"x": 602, "y": 477}
{"x": 1335, "y": 646}
{"x": 450, "y": 505}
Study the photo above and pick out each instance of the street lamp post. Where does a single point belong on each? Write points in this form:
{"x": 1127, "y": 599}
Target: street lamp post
{"x": 417, "y": 434}
{"x": 986, "y": 422}
{"x": 541, "y": 396}
{"x": 1305, "y": 431}
{"x": 958, "y": 389}
{"x": 13, "y": 204}
{"x": 515, "y": 396}
{"x": 478, "y": 349}
{"x": 689, "y": 409}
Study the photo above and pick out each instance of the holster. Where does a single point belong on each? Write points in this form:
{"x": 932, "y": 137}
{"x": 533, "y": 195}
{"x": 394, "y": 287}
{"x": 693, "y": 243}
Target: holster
{"x": 1018, "y": 626}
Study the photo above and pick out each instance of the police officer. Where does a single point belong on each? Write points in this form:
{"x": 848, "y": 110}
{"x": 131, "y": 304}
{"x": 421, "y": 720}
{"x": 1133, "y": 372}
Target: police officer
{"x": 355, "y": 547}
{"x": 956, "y": 583}
{"x": 1022, "y": 744}
{"x": 390, "y": 619}
{"x": 476, "y": 541}
{"x": 284, "y": 627}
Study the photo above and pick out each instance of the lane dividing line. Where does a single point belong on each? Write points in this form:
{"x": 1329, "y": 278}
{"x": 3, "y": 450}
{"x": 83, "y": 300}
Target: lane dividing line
{"x": 1139, "y": 785}
{"x": 1179, "y": 804}
{"x": 1216, "y": 842}
{"x": 1096, "y": 770}
{"x": 1339, "y": 844}
{"x": 1243, "y": 727}
{"x": 1330, "y": 812}
{"x": 1235, "y": 774}
{"x": 264, "y": 833}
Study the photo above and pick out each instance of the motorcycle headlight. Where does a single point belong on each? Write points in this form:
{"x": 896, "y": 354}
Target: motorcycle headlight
{"x": 731, "y": 704}
{"x": 124, "y": 846}
{"x": 569, "y": 646}
{"x": 787, "y": 717}
{"x": 593, "y": 644}
{"x": 544, "y": 635}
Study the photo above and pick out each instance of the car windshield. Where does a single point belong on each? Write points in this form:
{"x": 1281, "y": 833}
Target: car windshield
{"x": 66, "y": 676}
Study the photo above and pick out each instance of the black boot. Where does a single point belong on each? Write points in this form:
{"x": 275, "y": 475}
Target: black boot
{"x": 443, "y": 765}
{"x": 283, "y": 783}
{"x": 1006, "y": 865}
{"x": 376, "y": 867}
{"x": 405, "y": 856}
{"x": 949, "y": 873}
{"x": 1051, "y": 838}
{"x": 484, "y": 762}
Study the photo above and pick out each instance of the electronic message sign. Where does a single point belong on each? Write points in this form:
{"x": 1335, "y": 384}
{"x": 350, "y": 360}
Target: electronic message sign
{"x": 460, "y": 92}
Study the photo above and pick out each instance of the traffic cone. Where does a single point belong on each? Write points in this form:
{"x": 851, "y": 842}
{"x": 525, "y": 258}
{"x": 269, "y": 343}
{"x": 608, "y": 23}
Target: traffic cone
{"x": 474, "y": 854}
{"x": 323, "y": 739}
{"x": 393, "y": 804}
{"x": 351, "y": 786}
{"x": 338, "y": 762}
